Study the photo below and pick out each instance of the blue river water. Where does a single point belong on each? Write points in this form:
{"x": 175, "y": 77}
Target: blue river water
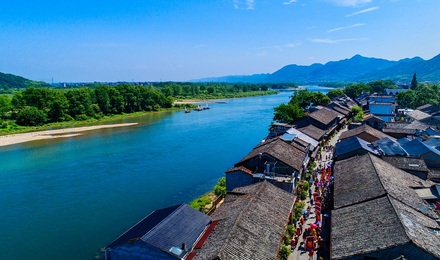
{"x": 67, "y": 198}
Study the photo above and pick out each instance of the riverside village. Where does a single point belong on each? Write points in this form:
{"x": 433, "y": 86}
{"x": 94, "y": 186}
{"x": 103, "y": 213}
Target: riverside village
{"x": 324, "y": 186}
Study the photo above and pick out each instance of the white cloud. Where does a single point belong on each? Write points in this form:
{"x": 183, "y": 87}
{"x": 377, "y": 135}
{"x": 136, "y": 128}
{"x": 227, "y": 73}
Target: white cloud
{"x": 289, "y": 2}
{"x": 363, "y": 11}
{"x": 243, "y": 4}
{"x": 346, "y": 27}
{"x": 291, "y": 45}
{"x": 333, "y": 41}
{"x": 351, "y": 2}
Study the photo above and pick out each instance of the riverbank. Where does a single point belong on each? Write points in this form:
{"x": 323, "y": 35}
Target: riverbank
{"x": 52, "y": 134}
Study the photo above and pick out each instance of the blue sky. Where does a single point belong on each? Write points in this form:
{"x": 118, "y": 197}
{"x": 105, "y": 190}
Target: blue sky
{"x": 180, "y": 40}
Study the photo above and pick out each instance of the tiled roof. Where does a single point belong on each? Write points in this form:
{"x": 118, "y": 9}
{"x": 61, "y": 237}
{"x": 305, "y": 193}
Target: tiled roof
{"x": 312, "y": 131}
{"x": 389, "y": 147}
{"x": 407, "y": 163}
{"x": 418, "y": 115}
{"x": 377, "y": 208}
{"x": 364, "y": 129}
{"x": 324, "y": 115}
{"x": 165, "y": 228}
{"x": 352, "y": 144}
{"x": 240, "y": 168}
{"x": 371, "y": 116}
{"x": 303, "y": 136}
{"x": 251, "y": 223}
{"x": 282, "y": 151}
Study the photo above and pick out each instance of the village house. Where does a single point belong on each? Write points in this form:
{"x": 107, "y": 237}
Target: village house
{"x": 423, "y": 117}
{"x": 379, "y": 215}
{"x": 413, "y": 165}
{"x": 314, "y": 132}
{"x": 404, "y": 129}
{"x": 250, "y": 224}
{"x": 417, "y": 148}
{"x": 364, "y": 132}
{"x": 428, "y": 108}
{"x": 168, "y": 233}
{"x": 354, "y": 146}
{"x": 389, "y": 147}
{"x": 276, "y": 157}
{"x": 324, "y": 118}
{"x": 383, "y": 107}
{"x": 374, "y": 121}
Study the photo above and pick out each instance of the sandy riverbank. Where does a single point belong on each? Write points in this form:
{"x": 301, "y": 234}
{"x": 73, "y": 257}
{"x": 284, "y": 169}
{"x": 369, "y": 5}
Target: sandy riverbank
{"x": 51, "y": 134}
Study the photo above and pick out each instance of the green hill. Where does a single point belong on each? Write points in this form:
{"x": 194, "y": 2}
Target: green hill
{"x": 10, "y": 81}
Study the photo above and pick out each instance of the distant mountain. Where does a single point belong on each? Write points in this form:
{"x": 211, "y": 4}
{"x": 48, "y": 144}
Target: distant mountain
{"x": 9, "y": 81}
{"x": 355, "y": 69}
{"x": 256, "y": 78}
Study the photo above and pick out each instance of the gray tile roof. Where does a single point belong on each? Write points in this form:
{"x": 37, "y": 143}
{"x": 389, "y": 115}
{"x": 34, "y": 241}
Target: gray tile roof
{"x": 376, "y": 208}
{"x": 352, "y": 144}
{"x": 168, "y": 227}
{"x": 389, "y": 147}
{"x": 313, "y": 131}
{"x": 407, "y": 163}
{"x": 418, "y": 115}
{"x": 251, "y": 223}
{"x": 290, "y": 154}
{"x": 364, "y": 129}
{"x": 324, "y": 115}
{"x": 366, "y": 227}
{"x": 303, "y": 137}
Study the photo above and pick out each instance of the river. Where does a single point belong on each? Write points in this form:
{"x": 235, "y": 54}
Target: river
{"x": 66, "y": 198}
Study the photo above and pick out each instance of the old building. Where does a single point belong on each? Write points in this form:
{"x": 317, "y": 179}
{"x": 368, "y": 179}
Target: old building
{"x": 364, "y": 132}
{"x": 379, "y": 215}
{"x": 277, "y": 157}
{"x": 354, "y": 146}
{"x": 250, "y": 224}
{"x": 168, "y": 233}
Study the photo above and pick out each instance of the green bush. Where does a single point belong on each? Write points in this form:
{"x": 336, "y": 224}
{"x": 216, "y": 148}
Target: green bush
{"x": 297, "y": 210}
{"x": 284, "y": 253}
{"x": 220, "y": 187}
{"x": 290, "y": 230}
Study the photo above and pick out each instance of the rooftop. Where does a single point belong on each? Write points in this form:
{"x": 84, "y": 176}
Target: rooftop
{"x": 173, "y": 225}
{"x": 324, "y": 115}
{"x": 378, "y": 208}
{"x": 364, "y": 129}
{"x": 288, "y": 154}
{"x": 251, "y": 222}
{"x": 312, "y": 131}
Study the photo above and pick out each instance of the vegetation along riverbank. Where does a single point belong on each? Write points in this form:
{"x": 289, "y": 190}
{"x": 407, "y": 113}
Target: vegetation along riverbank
{"x": 34, "y": 109}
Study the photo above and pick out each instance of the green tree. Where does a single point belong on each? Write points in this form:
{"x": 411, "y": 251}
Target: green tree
{"x": 379, "y": 86}
{"x": 220, "y": 187}
{"x": 406, "y": 99}
{"x": 58, "y": 107}
{"x": 357, "y": 112}
{"x": 103, "y": 99}
{"x": 355, "y": 90}
{"x": 335, "y": 93}
{"x": 5, "y": 106}
{"x": 285, "y": 113}
{"x": 80, "y": 103}
{"x": 31, "y": 116}
{"x": 414, "y": 83}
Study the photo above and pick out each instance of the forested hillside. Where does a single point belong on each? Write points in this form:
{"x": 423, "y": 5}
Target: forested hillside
{"x": 9, "y": 81}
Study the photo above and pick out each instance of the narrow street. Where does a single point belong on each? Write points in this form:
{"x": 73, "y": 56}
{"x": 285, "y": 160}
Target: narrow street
{"x": 299, "y": 252}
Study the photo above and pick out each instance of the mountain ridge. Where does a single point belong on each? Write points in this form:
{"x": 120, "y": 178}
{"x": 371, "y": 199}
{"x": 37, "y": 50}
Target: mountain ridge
{"x": 355, "y": 69}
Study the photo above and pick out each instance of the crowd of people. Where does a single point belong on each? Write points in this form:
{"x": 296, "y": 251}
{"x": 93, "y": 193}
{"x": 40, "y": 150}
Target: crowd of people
{"x": 309, "y": 237}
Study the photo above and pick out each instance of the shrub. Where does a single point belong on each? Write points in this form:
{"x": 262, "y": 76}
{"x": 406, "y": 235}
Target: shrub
{"x": 284, "y": 253}
{"x": 220, "y": 187}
